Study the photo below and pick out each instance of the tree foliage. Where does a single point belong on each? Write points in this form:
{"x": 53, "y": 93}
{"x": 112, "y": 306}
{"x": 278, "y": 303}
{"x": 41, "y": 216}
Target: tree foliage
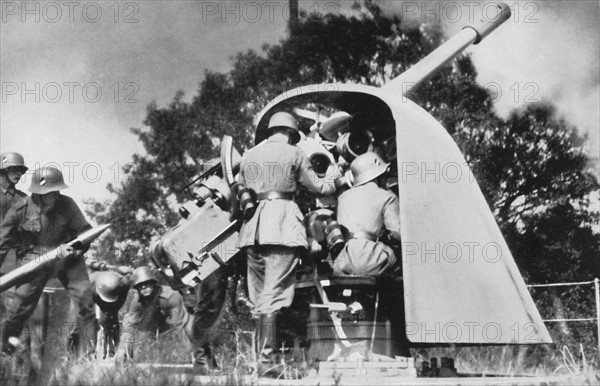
{"x": 531, "y": 167}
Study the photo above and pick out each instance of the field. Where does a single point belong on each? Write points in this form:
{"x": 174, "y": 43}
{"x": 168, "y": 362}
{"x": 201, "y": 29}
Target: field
{"x": 485, "y": 366}
{"x": 558, "y": 364}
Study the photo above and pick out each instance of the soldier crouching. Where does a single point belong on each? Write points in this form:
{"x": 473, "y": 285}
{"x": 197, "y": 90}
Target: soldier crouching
{"x": 154, "y": 310}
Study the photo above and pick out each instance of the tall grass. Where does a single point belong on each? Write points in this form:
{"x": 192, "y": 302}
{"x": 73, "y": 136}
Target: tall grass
{"x": 517, "y": 361}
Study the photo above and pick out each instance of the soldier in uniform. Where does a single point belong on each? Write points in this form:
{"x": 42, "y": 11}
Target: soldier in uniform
{"x": 110, "y": 291}
{"x": 41, "y": 224}
{"x": 370, "y": 214}
{"x": 12, "y": 168}
{"x": 154, "y": 309}
{"x": 274, "y": 237}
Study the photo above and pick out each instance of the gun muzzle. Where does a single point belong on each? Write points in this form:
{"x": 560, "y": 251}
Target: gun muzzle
{"x": 431, "y": 64}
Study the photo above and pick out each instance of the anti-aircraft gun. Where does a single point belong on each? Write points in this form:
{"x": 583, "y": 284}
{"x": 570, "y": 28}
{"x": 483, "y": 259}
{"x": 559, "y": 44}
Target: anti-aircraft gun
{"x": 461, "y": 284}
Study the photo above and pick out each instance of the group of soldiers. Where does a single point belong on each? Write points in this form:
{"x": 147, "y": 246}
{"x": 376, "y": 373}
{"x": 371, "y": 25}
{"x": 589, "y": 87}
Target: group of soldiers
{"x": 33, "y": 225}
{"x": 275, "y": 237}
{"x": 272, "y": 240}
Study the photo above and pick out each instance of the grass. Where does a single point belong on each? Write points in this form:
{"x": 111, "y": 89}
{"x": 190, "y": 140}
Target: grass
{"x": 515, "y": 361}
{"x": 574, "y": 368}
{"x": 235, "y": 358}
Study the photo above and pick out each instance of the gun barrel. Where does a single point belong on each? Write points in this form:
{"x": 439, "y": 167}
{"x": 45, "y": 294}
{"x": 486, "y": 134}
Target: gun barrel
{"x": 20, "y": 274}
{"x": 430, "y": 65}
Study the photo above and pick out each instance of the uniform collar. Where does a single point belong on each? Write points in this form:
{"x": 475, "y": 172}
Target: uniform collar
{"x": 7, "y": 187}
{"x": 281, "y": 138}
{"x": 370, "y": 184}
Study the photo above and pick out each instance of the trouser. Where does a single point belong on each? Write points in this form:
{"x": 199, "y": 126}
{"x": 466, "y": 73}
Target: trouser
{"x": 73, "y": 275}
{"x": 109, "y": 323}
{"x": 271, "y": 277}
{"x": 366, "y": 258}
{"x": 210, "y": 299}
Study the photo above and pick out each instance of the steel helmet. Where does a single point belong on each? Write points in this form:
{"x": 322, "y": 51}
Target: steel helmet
{"x": 285, "y": 120}
{"x": 46, "y": 180}
{"x": 367, "y": 167}
{"x": 12, "y": 160}
{"x": 142, "y": 275}
{"x": 109, "y": 286}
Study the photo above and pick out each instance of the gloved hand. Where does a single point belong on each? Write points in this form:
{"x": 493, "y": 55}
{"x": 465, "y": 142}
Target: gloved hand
{"x": 67, "y": 251}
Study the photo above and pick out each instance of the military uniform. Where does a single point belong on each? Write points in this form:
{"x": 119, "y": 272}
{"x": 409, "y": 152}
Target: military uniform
{"x": 275, "y": 234}
{"x": 367, "y": 211}
{"x": 33, "y": 233}
{"x": 159, "y": 313}
{"x": 164, "y": 310}
{"x": 109, "y": 313}
{"x": 9, "y": 197}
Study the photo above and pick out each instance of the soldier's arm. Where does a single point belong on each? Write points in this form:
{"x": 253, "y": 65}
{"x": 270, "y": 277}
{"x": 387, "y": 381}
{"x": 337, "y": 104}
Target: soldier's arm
{"x": 129, "y": 332}
{"x": 94, "y": 264}
{"x": 77, "y": 222}
{"x": 133, "y": 316}
{"x": 309, "y": 179}
{"x": 391, "y": 216}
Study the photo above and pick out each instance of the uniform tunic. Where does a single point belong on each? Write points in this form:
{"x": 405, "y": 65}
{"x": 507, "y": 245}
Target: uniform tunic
{"x": 9, "y": 196}
{"x": 33, "y": 233}
{"x": 367, "y": 210}
{"x": 273, "y": 236}
{"x": 161, "y": 312}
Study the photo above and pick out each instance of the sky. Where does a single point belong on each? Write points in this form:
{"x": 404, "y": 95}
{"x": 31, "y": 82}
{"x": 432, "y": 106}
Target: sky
{"x": 76, "y": 76}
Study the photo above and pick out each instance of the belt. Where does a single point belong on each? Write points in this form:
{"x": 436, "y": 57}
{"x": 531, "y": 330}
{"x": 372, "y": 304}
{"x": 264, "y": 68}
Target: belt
{"x": 362, "y": 235}
{"x": 275, "y": 196}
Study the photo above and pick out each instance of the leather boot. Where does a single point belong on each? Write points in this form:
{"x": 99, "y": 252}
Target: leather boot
{"x": 267, "y": 336}
{"x": 269, "y": 346}
{"x": 271, "y": 332}
{"x": 261, "y": 344}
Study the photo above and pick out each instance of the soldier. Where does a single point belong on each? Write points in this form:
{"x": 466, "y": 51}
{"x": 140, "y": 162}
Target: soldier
{"x": 370, "y": 214}
{"x": 155, "y": 309}
{"x": 110, "y": 292}
{"x": 274, "y": 237}
{"x": 12, "y": 168}
{"x": 41, "y": 224}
